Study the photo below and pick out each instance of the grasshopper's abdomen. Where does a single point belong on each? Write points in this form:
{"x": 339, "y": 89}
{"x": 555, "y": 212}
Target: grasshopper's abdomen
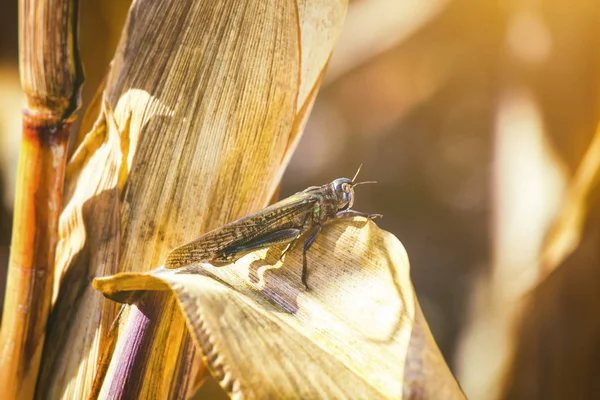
{"x": 209, "y": 246}
{"x": 188, "y": 254}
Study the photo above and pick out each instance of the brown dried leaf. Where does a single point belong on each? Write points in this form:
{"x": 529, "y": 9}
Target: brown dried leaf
{"x": 200, "y": 116}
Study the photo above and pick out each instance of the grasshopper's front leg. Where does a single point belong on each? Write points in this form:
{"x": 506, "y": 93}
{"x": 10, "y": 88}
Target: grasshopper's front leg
{"x": 352, "y": 214}
{"x": 309, "y": 241}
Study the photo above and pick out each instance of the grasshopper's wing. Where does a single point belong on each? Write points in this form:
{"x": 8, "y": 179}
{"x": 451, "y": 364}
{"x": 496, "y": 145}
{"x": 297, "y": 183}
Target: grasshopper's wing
{"x": 287, "y": 213}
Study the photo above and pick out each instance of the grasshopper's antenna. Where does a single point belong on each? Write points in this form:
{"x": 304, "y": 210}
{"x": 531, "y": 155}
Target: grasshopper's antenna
{"x": 356, "y": 174}
{"x": 362, "y": 183}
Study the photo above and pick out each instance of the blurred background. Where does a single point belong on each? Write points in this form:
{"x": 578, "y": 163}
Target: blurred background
{"x": 478, "y": 121}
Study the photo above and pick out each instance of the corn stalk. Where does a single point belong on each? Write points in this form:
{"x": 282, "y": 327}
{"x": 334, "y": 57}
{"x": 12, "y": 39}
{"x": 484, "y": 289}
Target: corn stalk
{"x": 51, "y": 77}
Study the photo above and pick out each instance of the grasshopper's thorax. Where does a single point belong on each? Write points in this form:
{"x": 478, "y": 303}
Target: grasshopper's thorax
{"x": 333, "y": 197}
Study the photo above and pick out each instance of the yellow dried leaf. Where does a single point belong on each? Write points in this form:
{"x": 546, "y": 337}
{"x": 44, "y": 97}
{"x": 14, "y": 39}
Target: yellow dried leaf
{"x": 264, "y": 336}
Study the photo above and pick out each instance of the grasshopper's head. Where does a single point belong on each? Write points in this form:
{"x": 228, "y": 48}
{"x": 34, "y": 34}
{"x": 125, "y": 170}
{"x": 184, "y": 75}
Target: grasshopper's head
{"x": 344, "y": 191}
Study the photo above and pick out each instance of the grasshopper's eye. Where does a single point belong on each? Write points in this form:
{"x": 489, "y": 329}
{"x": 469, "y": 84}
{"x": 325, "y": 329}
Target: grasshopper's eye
{"x": 347, "y": 196}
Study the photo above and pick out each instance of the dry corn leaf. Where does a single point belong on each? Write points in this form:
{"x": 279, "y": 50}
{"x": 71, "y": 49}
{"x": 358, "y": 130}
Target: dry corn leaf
{"x": 565, "y": 233}
{"x": 556, "y": 335}
{"x": 264, "y": 336}
{"x": 202, "y": 108}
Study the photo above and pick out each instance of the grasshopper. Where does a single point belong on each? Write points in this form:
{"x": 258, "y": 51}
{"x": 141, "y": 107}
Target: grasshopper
{"x": 283, "y": 222}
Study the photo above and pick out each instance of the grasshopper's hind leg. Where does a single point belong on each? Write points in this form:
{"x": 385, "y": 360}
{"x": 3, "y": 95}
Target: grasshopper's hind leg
{"x": 233, "y": 252}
